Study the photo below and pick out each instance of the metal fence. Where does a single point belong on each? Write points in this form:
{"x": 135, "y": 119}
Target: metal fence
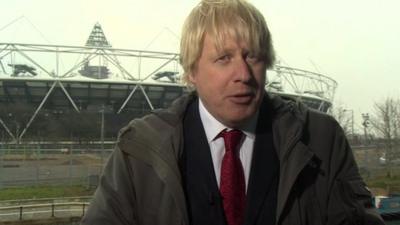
{"x": 66, "y": 210}
{"x": 43, "y": 211}
{"x": 78, "y": 164}
{"x": 63, "y": 166}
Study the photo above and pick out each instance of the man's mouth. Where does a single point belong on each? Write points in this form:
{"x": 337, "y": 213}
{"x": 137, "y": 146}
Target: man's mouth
{"x": 242, "y": 98}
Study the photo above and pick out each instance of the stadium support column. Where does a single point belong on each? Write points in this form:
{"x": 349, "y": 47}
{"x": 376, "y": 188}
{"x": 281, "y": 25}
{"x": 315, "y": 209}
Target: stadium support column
{"x": 17, "y": 128}
{"x": 127, "y": 99}
{"x": 146, "y": 97}
{"x": 8, "y": 130}
{"x": 2, "y": 154}
{"x": 102, "y": 138}
{"x": 37, "y": 110}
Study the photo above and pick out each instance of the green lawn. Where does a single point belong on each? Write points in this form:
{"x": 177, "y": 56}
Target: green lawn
{"x": 392, "y": 185}
{"x": 44, "y": 192}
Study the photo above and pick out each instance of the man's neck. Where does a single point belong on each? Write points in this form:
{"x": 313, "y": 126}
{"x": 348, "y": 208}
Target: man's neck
{"x": 212, "y": 126}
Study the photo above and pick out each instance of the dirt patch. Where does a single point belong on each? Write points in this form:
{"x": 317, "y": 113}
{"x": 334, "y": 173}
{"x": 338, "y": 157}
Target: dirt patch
{"x": 28, "y": 159}
{"x": 72, "y": 162}
{"x": 54, "y": 159}
{"x": 11, "y": 166}
{"x": 379, "y": 191}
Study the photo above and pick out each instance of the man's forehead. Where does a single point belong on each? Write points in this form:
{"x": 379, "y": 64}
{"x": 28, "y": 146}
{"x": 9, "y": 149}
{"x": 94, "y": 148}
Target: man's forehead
{"x": 224, "y": 42}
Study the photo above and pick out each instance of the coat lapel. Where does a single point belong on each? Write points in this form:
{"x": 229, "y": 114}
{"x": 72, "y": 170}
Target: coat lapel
{"x": 294, "y": 155}
{"x": 199, "y": 178}
{"x": 291, "y": 167}
{"x": 197, "y": 153}
{"x": 264, "y": 171}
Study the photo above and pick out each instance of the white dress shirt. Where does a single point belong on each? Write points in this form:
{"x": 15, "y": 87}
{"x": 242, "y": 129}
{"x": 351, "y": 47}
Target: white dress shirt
{"x": 213, "y": 127}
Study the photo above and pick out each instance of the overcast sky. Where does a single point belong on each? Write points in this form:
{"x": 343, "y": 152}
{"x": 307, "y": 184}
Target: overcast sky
{"x": 355, "y": 42}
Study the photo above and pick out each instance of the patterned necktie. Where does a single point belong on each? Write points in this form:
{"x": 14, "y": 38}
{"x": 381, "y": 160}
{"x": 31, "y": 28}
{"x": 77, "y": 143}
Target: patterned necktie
{"x": 232, "y": 186}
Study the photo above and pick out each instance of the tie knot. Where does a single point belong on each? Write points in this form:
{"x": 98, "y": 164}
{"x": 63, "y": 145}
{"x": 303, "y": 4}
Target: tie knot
{"x": 232, "y": 139}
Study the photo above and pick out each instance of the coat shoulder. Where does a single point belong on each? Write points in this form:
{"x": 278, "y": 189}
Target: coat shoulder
{"x": 319, "y": 121}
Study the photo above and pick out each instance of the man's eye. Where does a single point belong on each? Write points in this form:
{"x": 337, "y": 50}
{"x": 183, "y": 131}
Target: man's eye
{"x": 252, "y": 58}
{"x": 224, "y": 58}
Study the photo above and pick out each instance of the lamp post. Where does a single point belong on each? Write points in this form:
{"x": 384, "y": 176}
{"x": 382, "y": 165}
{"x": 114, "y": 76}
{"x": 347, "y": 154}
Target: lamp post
{"x": 365, "y": 124}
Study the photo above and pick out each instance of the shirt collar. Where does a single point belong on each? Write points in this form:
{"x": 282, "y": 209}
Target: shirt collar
{"x": 213, "y": 127}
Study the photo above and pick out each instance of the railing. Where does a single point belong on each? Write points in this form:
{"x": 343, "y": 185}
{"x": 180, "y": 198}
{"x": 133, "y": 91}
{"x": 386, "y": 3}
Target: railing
{"x": 35, "y": 201}
{"x": 40, "y": 211}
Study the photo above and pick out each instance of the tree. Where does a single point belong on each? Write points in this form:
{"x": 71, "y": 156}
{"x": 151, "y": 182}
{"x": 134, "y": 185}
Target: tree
{"x": 386, "y": 124}
{"x": 344, "y": 117}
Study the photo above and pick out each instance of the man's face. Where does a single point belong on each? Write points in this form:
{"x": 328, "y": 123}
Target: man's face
{"x": 230, "y": 81}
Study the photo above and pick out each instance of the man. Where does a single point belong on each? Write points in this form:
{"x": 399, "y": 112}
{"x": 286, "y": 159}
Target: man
{"x": 229, "y": 153}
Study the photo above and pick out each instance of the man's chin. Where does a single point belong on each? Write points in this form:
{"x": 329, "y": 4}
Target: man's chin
{"x": 236, "y": 121}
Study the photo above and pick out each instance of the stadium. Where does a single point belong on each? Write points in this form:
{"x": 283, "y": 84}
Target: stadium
{"x": 57, "y": 93}
{"x": 61, "y": 107}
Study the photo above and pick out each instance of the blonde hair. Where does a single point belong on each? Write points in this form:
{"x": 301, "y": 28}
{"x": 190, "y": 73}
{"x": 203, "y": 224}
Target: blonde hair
{"x": 223, "y": 19}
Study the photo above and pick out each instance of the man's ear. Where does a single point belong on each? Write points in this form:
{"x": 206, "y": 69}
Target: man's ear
{"x": 192, "y": 78}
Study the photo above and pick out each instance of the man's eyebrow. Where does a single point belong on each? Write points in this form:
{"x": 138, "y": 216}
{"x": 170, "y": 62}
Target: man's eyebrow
{"x": 224, "y": 50}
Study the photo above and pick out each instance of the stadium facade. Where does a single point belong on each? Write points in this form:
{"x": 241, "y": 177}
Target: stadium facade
{"x": 73, "y": 93}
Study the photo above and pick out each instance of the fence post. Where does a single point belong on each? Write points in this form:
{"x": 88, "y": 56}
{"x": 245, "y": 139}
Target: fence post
{"x": 52, "y": 210}
{"x": 83, "y": 209}
{"x": 70, "y": 165}
{"x": 2, "y": 155}
{"x": 20, "y": 213}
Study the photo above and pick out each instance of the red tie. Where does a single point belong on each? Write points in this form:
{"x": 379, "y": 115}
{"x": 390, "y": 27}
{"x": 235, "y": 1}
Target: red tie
{"x": 232, "y": 184}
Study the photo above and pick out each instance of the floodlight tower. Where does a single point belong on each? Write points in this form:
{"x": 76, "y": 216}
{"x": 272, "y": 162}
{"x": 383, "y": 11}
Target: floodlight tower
{"x": 97, "y": 38}
{"x": 98, "y": 41}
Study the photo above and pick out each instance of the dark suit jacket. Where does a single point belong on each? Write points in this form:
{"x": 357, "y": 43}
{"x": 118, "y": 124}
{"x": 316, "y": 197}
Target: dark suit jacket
{"x": 202, "y": 193}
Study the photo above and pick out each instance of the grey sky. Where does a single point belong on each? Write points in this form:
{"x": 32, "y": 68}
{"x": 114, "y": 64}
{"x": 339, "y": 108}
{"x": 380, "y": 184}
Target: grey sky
{"x": 354, "y": 42}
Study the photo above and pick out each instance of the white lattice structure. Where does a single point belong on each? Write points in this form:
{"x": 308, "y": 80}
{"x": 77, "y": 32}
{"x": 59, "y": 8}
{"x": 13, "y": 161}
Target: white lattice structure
{"x": 72, "y": 78}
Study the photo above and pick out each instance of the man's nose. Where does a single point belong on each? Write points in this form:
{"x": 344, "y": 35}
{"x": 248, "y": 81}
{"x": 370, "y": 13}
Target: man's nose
{"x": 243, "y": 71}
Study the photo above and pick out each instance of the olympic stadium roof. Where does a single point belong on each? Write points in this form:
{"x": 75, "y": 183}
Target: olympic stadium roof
{"x": 47, "y": 78}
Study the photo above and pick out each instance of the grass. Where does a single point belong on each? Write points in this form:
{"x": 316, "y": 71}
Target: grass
{"x": 44, "y": 192}
{"x": 391, "y": 184}
{"x": 384, "y": 182}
